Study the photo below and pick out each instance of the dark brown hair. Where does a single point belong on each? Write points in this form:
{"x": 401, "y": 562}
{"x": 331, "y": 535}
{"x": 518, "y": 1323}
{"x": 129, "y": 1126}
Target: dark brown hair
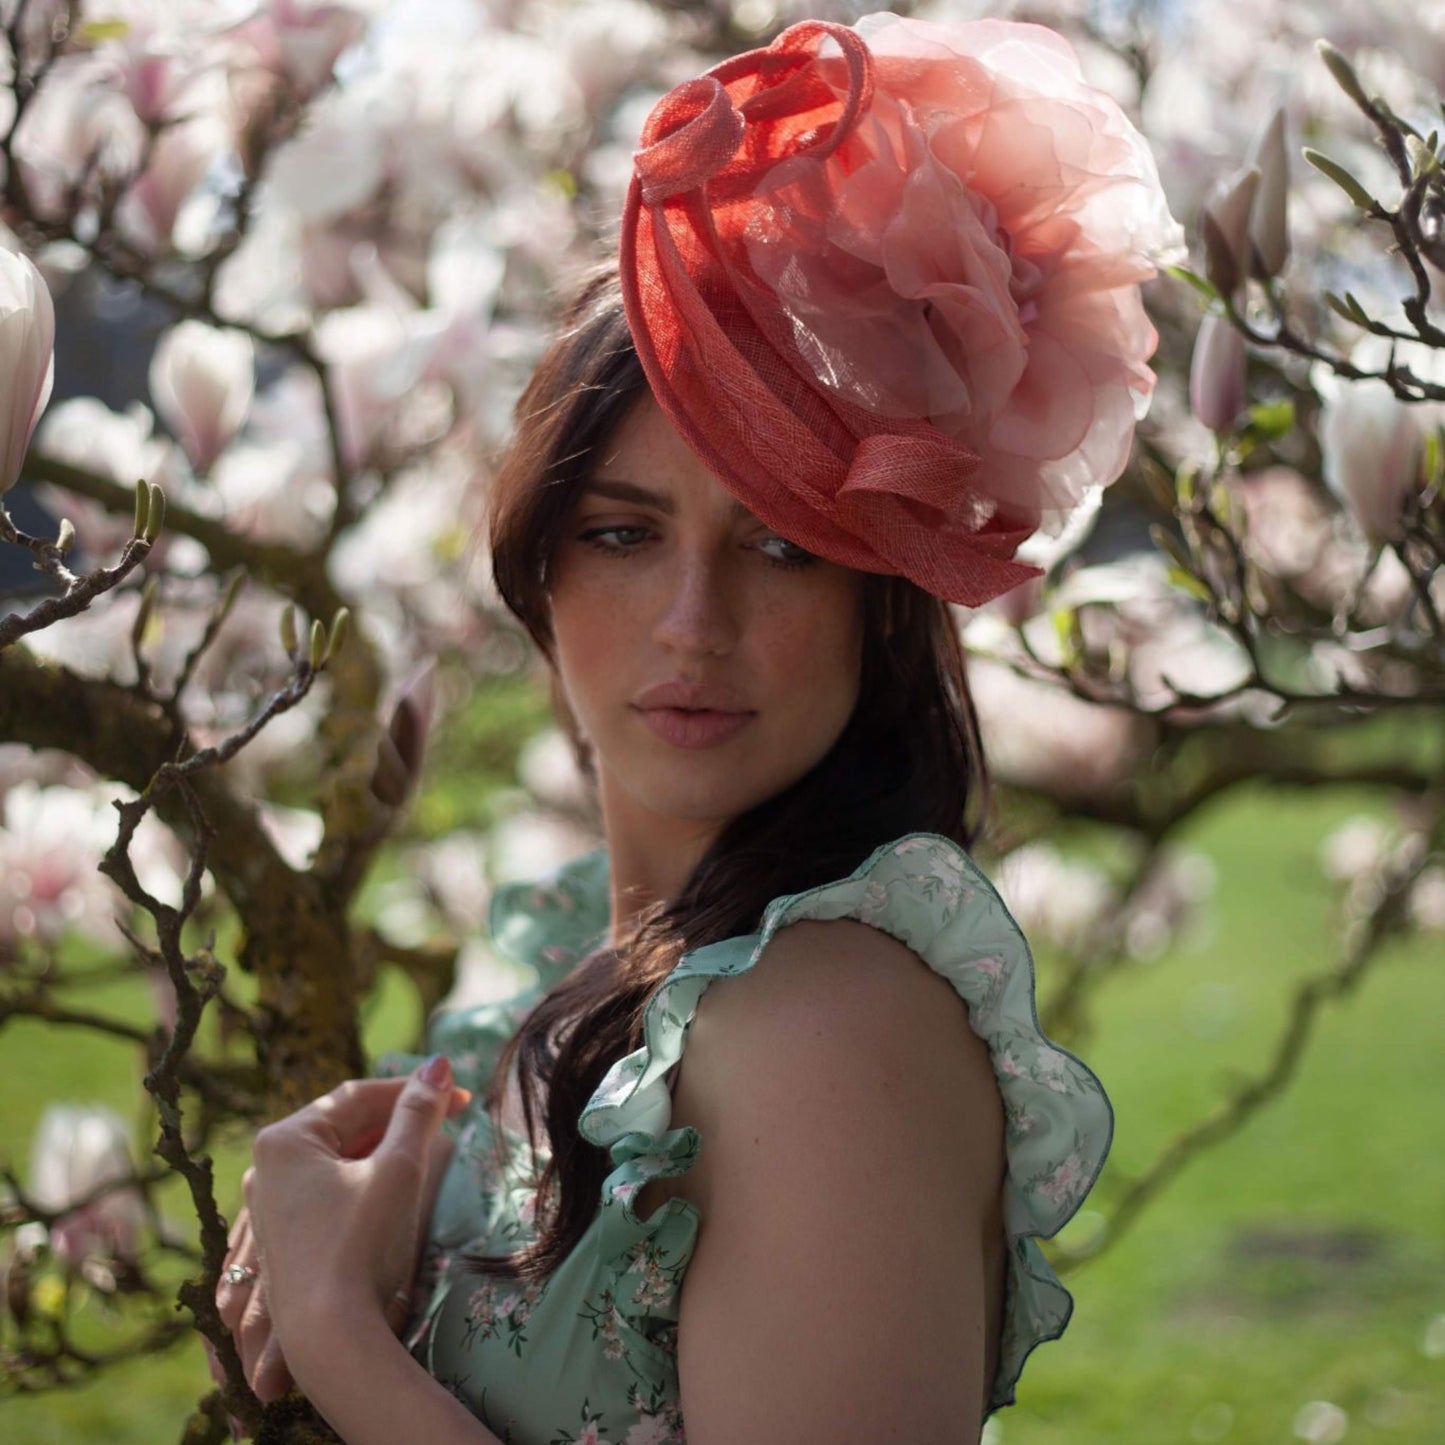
{"x": 907, "y": 761}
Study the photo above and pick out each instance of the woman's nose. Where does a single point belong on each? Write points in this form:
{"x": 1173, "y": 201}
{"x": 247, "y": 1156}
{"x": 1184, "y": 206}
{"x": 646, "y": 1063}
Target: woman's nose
{"x": 698, "y": 615}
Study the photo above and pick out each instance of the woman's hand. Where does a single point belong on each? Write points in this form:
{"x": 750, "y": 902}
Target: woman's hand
{"x": 338, "y": 1200}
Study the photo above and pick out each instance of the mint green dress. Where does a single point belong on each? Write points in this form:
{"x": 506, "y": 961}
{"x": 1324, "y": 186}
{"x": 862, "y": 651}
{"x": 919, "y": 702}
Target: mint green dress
{"x": 591, "y": 1354}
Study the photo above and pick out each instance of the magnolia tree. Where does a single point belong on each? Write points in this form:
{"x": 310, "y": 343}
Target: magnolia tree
{"x": 258, "y": 580}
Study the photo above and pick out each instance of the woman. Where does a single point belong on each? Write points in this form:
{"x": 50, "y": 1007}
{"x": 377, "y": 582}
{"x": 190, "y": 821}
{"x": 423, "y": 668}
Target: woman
{"x": 742, "y": 1157}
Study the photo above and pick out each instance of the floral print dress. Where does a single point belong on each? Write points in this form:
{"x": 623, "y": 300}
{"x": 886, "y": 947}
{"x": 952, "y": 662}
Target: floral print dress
{"x": 590, "y": 1355}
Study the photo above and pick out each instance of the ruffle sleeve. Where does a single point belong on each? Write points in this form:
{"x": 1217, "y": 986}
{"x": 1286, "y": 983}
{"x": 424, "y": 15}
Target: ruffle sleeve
{"x": 927, "y": 893}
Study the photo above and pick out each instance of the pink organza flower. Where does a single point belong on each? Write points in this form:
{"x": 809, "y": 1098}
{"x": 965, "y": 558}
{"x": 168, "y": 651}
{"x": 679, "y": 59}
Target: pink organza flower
{"x": 972, "y": 257}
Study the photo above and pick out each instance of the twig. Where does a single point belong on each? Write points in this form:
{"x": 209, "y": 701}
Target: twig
{"x": 79, "y": 593}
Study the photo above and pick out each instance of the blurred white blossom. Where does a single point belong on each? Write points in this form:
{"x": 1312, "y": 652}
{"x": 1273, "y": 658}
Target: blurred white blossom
{"x": 1055, "y": 899}
{"x": 76, "y": 1150}
{"x": 202, "y": 379}
{"x": 1038, "y": 735}
{"x": 1370, "y": 440}
{"x": 51, "y": 841}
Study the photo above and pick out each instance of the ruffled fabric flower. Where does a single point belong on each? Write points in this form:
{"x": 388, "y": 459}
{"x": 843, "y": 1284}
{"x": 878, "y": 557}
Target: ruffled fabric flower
{"x": 885, "y": 283}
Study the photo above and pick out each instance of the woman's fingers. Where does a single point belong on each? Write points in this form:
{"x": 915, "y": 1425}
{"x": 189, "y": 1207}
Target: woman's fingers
{"x": 235, "y": 1290}
{"x": 350, "y": 1114}
{"x": 254, "y": 1333}
{"x": 270, "y": 1379}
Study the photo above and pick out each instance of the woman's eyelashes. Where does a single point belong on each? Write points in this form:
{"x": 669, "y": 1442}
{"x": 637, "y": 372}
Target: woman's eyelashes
{"x": 615, "y": 541}
{"x": 626, "y": 539}
{"x": 785, "y": 554}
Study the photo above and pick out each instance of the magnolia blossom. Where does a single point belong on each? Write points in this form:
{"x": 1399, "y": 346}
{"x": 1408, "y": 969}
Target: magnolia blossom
{"x": 301, "y": 40}
{"x": 78, "y": 129}
{"x": 1057, "y": 900}
{"x": 51, "y": 842}
{"x": 202, "y": 380}
{"x": 27, "y": 359}
{"x": 1036, "y": 734}
{"x": 77, "y": 1150}
{"x": 1371, "y": 440}
{"x": 177, "y": 163}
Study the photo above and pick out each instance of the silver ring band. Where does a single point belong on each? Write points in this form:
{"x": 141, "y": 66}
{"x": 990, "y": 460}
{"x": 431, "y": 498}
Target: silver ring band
{"x": 239, "y": 1274}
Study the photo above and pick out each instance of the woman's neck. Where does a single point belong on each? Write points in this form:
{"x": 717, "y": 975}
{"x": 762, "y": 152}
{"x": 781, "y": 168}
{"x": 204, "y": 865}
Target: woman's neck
{"x": 650, "y": 858}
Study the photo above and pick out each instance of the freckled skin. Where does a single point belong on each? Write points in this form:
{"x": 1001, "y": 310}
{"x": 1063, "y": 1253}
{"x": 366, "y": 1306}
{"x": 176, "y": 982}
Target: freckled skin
{"x": 684, "y": 585}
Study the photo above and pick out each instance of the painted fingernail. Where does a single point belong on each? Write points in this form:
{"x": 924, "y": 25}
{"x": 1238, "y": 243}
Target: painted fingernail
{"x": 437, "y": 1071}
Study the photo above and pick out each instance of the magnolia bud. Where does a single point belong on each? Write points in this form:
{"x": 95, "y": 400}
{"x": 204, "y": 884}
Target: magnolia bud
{"x": 1341, "y": 177}
{"x": 289, "y": 639}
{"x": 402, "y": 747}
{"x": 1224, "y": 225}
{"x": 155, "y": 513}
{"x": 1268, "y": 216}
{"x": 340, "y": 625}
{"x": 27, "y": 359}
{"x": 1216, "y": 374}
{"x": 1343, "y": 72}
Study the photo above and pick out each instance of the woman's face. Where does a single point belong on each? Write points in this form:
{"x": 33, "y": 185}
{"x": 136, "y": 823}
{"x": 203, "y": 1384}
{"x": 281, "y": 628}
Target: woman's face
{"x": 709, "y": 662}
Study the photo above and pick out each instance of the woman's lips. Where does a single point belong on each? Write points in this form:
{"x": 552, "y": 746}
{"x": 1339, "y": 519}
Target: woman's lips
{"x": 694, "y": 727}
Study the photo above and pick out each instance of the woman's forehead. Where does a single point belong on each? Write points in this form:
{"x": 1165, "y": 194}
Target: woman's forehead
{"x": 648, "y": 463}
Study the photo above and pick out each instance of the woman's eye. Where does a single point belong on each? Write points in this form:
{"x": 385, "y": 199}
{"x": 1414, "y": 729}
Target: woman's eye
{"x": 784, "y": 552}
{"x": 614, "y": 539}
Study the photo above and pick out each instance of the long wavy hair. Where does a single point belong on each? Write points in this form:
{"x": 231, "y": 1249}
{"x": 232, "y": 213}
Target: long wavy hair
{"x": 908, "y": 760}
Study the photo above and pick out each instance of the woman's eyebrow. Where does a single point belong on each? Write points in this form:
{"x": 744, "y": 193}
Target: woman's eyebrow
{"x": 617, "y": 491}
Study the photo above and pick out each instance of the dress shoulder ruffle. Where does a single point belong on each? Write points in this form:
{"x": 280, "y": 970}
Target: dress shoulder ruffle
{"x": 926, "y": 892}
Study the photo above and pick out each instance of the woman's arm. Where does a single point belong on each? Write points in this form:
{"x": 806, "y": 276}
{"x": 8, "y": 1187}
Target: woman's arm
{"x": 850, "y": 1187}
{"x": 336, "y": 1235}
{"x": 370, "y": 1390}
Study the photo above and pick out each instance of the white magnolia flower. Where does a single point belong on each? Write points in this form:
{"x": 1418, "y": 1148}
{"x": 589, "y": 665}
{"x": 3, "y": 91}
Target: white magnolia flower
{"x": 1371, "y": 440}
{"x": 202, "y": 379}
{"x": 27, "y": 358}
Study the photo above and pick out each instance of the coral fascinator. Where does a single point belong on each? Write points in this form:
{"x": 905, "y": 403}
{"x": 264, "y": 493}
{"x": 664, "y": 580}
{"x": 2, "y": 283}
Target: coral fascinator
{"x": 885, "y": 283}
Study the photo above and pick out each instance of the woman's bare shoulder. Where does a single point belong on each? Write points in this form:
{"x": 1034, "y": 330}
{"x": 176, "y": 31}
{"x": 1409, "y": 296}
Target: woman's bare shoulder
{"x": 840, "y": 1015}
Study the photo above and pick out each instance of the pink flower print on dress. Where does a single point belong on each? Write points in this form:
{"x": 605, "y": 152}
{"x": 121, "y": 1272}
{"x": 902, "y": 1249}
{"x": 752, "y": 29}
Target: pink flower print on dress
{"x": 1063, "y": 1184}
{"x": 988, "y": 974}
{"x": 1051, "y": 1070}
{"x": 1019, "y": 1121}
{"x": 874, "y": 903}
{"x": 1007, "y": 1064}
{"x": 650, "y": 1430}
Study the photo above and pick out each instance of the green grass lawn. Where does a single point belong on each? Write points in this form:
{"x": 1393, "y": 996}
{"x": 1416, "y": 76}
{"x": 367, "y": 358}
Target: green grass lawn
{"x": 1302, "y": 1261}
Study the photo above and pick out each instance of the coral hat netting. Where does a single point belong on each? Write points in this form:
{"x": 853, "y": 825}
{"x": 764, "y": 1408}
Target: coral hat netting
{"x": 884, "y": 282}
